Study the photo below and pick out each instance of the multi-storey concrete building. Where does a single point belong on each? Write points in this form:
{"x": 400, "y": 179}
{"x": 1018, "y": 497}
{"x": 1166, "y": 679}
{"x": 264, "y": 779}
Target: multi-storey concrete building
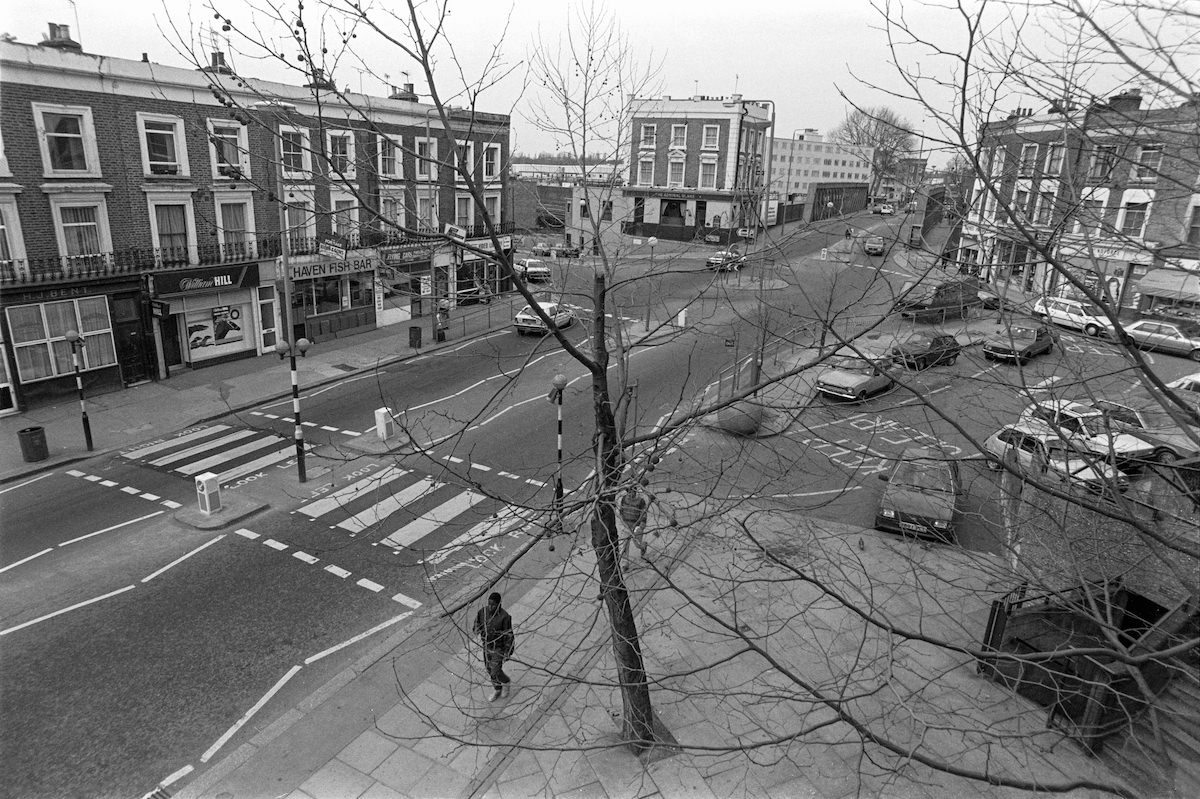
{"x": 1111, "y": 191}
{"x": 806, "y": 159}
{"x": 697, "y": 164}
{"x": 138, "y": 208}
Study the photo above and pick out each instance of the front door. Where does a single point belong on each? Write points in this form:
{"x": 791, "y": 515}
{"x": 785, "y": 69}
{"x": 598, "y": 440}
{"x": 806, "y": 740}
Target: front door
{"x": 131, "y": 352}
{"x": 172, "y": 352}
{"x": 639, "y": 210}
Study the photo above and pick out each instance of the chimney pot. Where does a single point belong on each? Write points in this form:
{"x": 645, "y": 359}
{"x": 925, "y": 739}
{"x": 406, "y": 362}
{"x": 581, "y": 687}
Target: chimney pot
{"x": 59, "y": 37}
{"x": 145, "y": 58}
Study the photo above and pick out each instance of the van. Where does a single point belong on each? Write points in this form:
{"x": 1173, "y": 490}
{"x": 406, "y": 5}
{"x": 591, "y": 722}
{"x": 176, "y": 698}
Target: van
{"x": 1080, "y": 315}
{"x": 940, "y": 301}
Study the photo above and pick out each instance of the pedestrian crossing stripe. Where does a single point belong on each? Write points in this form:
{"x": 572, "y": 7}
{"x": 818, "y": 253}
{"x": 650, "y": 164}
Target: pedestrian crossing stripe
{"x": 389, "y": 505}
{"x": 503, "y": 522}
{"x": 344, "y": 496}
{"x": 198, "y": 449}
{"x": 428, "y": 522}
{"x": 196, "y": 467}
{"x": 208, "y": 449}
{"x": 150, "y": 449}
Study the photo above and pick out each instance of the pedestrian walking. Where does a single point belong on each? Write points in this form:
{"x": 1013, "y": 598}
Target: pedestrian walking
{"x": 847, "y": 234}
{"x": 493, "y": 625}
{"x": 634, "y": 507}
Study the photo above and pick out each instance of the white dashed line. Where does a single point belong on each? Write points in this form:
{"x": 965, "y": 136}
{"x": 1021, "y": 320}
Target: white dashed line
{"x": 353, "y": 433}
{"x": 107, "y": 483}
{"x": 481, "y": 467}
{"x": 270, "y": 416}
{"x": 244, "y": 533}
{"x": 304, "y": 556}
{"x": 75, "y": 473}
{"x": 407, "y": 601}
{"x": 172, "y": 504}
{"x": 126, "y": 489}
{"x": 537, "y": 483}
{"x": 370, "y": 585}
{"x": 151, "y": 497}
{"x": 509, "y": 475}
{"x": 273, "y": 544}
{"x": 337, "y": 571}
{"x": 453, "y": 459}
{"x": 330, "y": 429}
{"x": 93, "y": 478}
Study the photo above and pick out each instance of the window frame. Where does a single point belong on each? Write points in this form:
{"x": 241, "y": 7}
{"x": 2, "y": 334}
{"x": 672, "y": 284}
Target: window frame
{"x": 15, "y": 239}
{"x": 715, "y": 139}
{"x": 459, "y": 144}
{"x": 183, "y": 167}
{"x": 1123, "y": 223}
{"x": 672, "y": 181}
{"x": 342, "y": 196}
{"x": 494, "y": 214}
{"x": 642, "y": 162}
{"x": 164, "y": 196}
{"x": 246, "y": 199}
{"x": 58, "y": 201}
{"x": 429, "y": 161}
{"x": 395, "y": 229}
{"x": 243, "y": 149}
{"x": 1191, "y": 226}
{"x": 679, "y": 136}
{"x": 1055, "y": 154}
{"x": 87, "y": 129}
{"x": 1140, "y": 171}
{"x": 491, "y": 150}
{"x": 1103, "y": 162}
{"x": 397, "y": 143}
{"x": 435, "y": 210}
{"x": 85, "y": 364}
{"x": 650, "y": 141}
{"x": 305, "y": 172}
{"x": 347, "y": 135}
{"x": 301, "y": 198}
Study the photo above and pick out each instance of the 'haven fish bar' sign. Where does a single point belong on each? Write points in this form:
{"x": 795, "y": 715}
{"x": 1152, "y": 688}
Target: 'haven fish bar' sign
{"x": 331, "y": 268}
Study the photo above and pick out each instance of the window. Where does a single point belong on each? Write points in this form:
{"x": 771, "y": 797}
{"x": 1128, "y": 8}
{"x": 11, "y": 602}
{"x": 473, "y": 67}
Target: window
{"x": 679, "y": 136}
{"x": 391, "y": 211}
{"x": 1089, "y": 216}
{"x": 296, "y": 152}
{"x": 1103, "y": 159}
{"x": 645, "y": 172}
{"x": 584, "y": 209}
{"x": 1149, "y": 159}
{"x": 466, "y": 160}
{"x": 426, "y": 156}
{"x": 1193, "y": 228}
{"x": 675, "y": 173}
{"x": 1054, "y": 159}
{"x": 345, "y": 218}
{"x": 464, "y": 212}
{"x": 67, "y": 140}
{"x": 1133, "y": 218}
{"x": 39, "y": 337}
{"x": 491, "y": 161}
{"x": 229, "y": 149}
{"x": 1021, "y": 203}
{"x": 235, "y": 228}
{"x": 427, "y": 212}
{"x": 339, "y": 145}
{"x": 390, "y": 163}
{"x": 711, "y": 135}
{"x": 606, "y": 210}
{"x": 649, "y": 135}
{"x": 81, "y": 227}
{"x": 301, "y": 221}
{"x": 12, "y": 247}
{"x": 171, "y": 232}
{"x": 164, "y": 151}
{"x": 491, "y": 204}
{"x": 1045, "y": 208}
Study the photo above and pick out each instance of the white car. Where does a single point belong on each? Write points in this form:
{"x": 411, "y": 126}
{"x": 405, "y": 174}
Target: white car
{"x": 726, "y": 261}
{"x": 1148, "y": 420}
{"x": 1032, "y": 450}
{"x": 887, "y": 208}
{"x": 1078, "y": 315}
{"x": 1090, "y": 431}
{"x": 746, "y": 232}
{"x": 1187, "y": 388}
{"x": 532, "y": 270}
{"x": 527, "y": 320}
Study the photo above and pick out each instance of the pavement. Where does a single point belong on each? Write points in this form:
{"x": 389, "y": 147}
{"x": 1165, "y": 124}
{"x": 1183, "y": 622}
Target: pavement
{"x": 766, "y": 637}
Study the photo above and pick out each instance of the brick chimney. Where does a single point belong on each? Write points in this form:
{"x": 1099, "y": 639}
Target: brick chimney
{"x": 405, "y": 93}
{"x": 60, "y": 39}
{"x": 319, "y": 81}
{"x": 1126, "y": 101}
{"x": 217, "y": 64}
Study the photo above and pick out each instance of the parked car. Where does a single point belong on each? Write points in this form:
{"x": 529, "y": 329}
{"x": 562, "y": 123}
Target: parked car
{"x": 937, "y": 301}
{"x": 923, "y": 495}
{"x": 850, "y": 376}
{"x": 1087, "y": 428}
{"x": 1178, "y": 338}
{"x": 1187, "y": 388}
{"x": 992, "y": 301}
{"x": 541, "y": 248}
{"x": 565, "y": 251}
{"x": 527, "y": 321}
{"x": 1033, "y": 450}
{"x": 712, "y": 238}
{"x": 924, "y": 351}
{"x": 873, "y": 245}
{"x": 1078, "y": 315}
{"x": 1146, "y": 419}
{"x": 887, "y": 209}
{"x": 726, "y": 261}
{"x": 1020, "y": 344}
{"x": 532, "y": 270}
{"x": 746, "y": 233}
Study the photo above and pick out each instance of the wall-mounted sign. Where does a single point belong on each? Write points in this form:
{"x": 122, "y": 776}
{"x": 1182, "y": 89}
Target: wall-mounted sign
{"x": 198, "y": 281}
{"x": 330, "y": 268}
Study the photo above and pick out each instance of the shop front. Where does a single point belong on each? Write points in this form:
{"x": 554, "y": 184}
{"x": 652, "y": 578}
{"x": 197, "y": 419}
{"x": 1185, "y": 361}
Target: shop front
{"x": 333, "y": 297}
{"x": 677, "y": 214}
{"x": 208, "y": 316}
{"x": 1111, "y": 273}
{"x": 479, "y": 278}
{"x": 1172, "y": 293}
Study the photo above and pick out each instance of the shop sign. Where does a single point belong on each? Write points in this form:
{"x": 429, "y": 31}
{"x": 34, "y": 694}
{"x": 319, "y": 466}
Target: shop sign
{"x": 331, "y": 268}
{"x": 426, "y": 285}
{"x": 198, "y": 281}
{"x": 486, "y": 244}
{"x": 50, "y": 295}
{"x": 332, "y": 248}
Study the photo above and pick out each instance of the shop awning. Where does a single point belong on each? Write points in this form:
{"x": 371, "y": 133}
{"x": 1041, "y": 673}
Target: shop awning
{"x": 1172, "y": 284}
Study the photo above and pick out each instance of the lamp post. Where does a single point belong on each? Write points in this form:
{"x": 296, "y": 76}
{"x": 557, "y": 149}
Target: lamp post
{"x": 77, "y": 343}
{"x": 558, "y": 385}
{"x": 651, "y": 241}
{"x": 289, "y": 351}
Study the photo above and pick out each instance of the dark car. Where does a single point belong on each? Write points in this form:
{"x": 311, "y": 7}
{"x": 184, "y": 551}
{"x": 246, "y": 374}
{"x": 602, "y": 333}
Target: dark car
{"x": 922, "y": 496}
{"x": 874, "y": 245}
{"x": 937, "y": 302}
{"x": 565, "y": 251}
{"x": 1020, "y": 344}
{"x": 922, "y": 352}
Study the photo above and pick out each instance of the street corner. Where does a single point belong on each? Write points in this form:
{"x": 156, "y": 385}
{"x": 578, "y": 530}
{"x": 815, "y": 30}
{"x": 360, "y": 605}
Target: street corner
{"x": 233, "y": 509}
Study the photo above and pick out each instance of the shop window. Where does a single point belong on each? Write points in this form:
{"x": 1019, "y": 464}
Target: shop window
{"x": 361, "y": 287}
{"x": 164, "y": 151}
{"x": 39, "y": 337}
{"x": 67, "y": 140}
{"x": 229, "y": 149}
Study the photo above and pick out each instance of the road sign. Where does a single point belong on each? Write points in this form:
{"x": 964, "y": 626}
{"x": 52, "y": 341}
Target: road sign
{"x": 729, "y": 342}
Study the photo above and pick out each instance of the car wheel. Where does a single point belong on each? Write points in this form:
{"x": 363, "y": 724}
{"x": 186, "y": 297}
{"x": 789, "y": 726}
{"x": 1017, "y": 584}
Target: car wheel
{"x": 1091, "y": 330}
{"x": 952, "y": 360}
{"x": 1194, "y": 355}
{"x": 1041, "y": 317}
{"x": 860, "y": 396}
{"x": 1165, "y": 455}
{"x": 921, "y": 363}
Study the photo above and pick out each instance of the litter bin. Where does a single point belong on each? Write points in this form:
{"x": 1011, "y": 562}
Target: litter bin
{"x": 414, "y": 337}
{"x": 440, "y": 333}
{"x": 33, "y": 444}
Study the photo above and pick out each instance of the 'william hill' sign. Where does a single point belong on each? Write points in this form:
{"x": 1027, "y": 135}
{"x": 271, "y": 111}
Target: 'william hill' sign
{"x": 198, "y": 281}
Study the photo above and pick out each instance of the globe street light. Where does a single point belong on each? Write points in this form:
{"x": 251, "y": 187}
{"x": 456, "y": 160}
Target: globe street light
{"x": 77, "y": 343}
{"x": 287, "y": 350}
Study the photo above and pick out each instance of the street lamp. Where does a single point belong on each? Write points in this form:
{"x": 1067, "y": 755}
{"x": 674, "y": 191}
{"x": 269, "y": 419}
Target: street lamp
{"x": 651, "y": 241}
{"x": 559, "y": 383}
{"x": 286, "y": 350}
{"x": 77, "y": 343}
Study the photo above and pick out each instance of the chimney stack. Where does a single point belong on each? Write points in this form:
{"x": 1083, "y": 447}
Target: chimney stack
{"x": 319, "y": 81}
{"x": 60, "y": 39}
{"x": 405, "y": 93}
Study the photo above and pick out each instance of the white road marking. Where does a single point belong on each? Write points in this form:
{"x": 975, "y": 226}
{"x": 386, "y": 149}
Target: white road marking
{"x": 151, "y": 497}
{"x": 172, "y": 504}
{"x": 478, "y": 534}
{"x": 428, "y": 522}
{"x": 198, "y": 449}
{"x": 304, "y": 556}
{"x": 196, "y": 467}
{"x": 538, "y": 483}
{"x": 26, "y": 560}
{"x": 76, "y": 606}
{"x": 1045, "y": 384}
{"x": 93, "y": 478}
{"x": 131, "y": 490}
{"x": 337, "y": 571}
{"x": 108, "y": 483}
{"x": 177, "y": 776}
{"x": 407, "y": 601}
{"x": 277, "y": 545}
{"x": 355, "y": 432}
{"x": 388, "y": 505}
{"x": 357, "y": 638}
{"x": 244, "y": 533}
{"x": 481, "y": 467}
{"x": 331, "y": 429}
{"x": 73, "y": 473}
{"x": 114, "y": 527}
{"x": 179, "y": 560}
{"x": 348, "y": 494}
{"x": 134, "y": 454}
{"x": 370, "y": 585}
{"x": 254, "y": 466}
{"x": 212, "y": 750}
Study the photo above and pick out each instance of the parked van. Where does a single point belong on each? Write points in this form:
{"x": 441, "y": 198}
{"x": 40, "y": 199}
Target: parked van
{"x": 938, "y": 301}
{"x": 1080, "y": 315}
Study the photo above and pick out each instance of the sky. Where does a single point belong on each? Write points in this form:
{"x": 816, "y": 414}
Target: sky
{"x": 798, "y": 53}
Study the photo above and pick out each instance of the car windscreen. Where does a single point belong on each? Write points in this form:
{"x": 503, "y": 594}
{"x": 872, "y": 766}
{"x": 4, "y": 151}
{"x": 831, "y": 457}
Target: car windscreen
{"x": 847, "y": 363}
{"x": 924, "y": 475}
{"x": 1023, "y": 334}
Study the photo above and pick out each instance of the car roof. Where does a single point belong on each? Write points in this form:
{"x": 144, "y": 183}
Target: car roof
{"x": 1035, "y": 429}
{"x": 1071, "y": 406}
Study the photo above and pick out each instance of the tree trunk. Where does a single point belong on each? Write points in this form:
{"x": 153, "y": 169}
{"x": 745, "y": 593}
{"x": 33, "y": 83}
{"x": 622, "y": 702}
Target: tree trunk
{"x": 638, "y": 727}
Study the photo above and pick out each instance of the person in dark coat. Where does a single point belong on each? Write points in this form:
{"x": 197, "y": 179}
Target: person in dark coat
{"x": 493, "y": 625}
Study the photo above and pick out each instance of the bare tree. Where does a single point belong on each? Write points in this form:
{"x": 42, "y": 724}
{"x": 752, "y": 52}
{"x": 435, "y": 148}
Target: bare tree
{"x": 880, "y": 130}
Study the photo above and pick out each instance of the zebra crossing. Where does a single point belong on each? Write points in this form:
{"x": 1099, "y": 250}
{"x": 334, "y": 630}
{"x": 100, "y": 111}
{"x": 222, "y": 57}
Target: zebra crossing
{"x": 399, "y": 507}
{"x": 231, "y": 452}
